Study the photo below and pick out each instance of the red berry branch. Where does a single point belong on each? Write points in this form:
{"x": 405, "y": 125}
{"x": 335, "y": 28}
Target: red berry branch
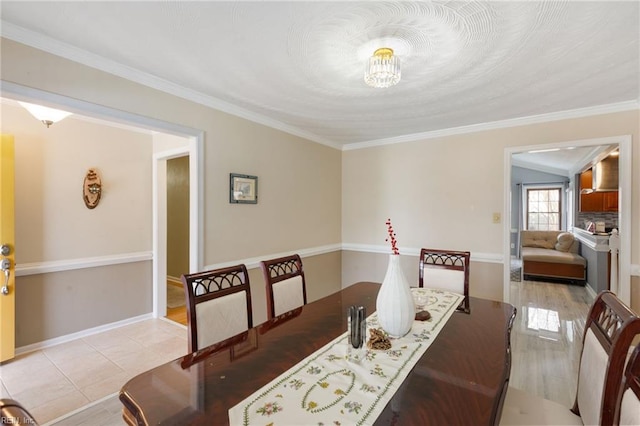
{"x": 392, "y": 237}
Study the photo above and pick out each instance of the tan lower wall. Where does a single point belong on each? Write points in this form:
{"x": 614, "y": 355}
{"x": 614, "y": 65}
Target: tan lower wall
{"x": 60, "y": 303}
{"x": 57, "y": 304}
{"x": 485, "y": 279}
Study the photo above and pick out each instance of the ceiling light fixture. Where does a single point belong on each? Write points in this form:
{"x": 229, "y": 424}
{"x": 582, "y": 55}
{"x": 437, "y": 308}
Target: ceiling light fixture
{"x": 47, "y": 115}
{"x": 383, "y": 69}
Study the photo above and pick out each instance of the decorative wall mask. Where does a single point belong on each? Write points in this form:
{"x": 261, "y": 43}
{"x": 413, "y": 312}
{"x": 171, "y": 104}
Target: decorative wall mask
{"x": 92, "y": 189}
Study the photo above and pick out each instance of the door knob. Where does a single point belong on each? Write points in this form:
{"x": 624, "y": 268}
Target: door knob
{"x": 5, "y": 265}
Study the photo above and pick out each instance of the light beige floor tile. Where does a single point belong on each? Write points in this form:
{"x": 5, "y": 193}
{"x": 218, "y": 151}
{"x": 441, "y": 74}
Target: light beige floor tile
{"x": 171, "y": 349}
{"x": 57, "y": 407}
{"x": 4, "y": 393}
{"x": 176, "y": 329}
{"x": 152, "y": 337}
{"x": 116, "y": 352}
{"x": 110, "y": 385}
{"x": 137, "y": 363}
{"x": 92, "y": 368}
{"x": 30, "y": 383}
{"x": 44, "y": 393}
{"x": 23, "y": 365}
{"x": 68, "y": 351}
{"x": 108, "y": 339}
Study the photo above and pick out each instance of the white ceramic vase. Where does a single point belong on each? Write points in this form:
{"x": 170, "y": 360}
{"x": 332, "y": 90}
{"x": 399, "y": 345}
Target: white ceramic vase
{"x": 394, "y": 305}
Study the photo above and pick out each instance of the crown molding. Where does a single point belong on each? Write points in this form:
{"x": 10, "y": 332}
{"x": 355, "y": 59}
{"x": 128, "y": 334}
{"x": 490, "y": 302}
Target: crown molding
{"x": 64, "y": 50}
{"x": 502, "y": 124}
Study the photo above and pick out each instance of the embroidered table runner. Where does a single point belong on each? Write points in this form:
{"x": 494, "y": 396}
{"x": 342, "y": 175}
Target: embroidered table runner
{"x": 327, "y": 388}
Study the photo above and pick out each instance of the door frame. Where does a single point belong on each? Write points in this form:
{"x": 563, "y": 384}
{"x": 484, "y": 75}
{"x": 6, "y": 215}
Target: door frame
{"x": 196, "y": 170}
{"x": 624, "y": 206}
{"x": 159, "y": 172}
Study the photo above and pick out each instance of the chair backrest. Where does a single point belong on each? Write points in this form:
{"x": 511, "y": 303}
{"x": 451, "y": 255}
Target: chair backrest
{"x": 285, "y": 284}
{"x": 609, "y": 331}
{"x": 628, "y": 401}
{"x": 218, "y": 305}
{"x": 446, "y": 270}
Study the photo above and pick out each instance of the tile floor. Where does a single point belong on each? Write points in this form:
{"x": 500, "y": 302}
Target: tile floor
{"x": 65, "y": 378}
{"x": 76, "y": 383}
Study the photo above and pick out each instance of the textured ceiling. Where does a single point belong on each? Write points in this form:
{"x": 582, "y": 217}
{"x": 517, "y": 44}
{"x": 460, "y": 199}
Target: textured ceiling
{"x": 299, "y": 66}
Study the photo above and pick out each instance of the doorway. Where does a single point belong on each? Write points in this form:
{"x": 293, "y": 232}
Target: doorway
{"x": 192, "y": 147}
{"x": 624, "y": 210}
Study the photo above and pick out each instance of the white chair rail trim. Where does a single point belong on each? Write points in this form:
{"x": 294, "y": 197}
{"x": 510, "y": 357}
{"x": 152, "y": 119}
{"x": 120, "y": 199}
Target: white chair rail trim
{"x": 410, "y": 251}
{"x": 34, "y": 268}
{"x": 24, "y": 269}
{"x": 254, "y": 262}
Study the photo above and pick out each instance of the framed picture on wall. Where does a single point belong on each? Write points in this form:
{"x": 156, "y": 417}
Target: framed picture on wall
{"x": 243, "y": 189}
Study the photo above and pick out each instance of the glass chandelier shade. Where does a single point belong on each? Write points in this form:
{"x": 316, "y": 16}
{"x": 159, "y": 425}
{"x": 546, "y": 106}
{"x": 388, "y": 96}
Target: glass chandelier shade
{"x": 383, "y": 69}
{"x": 47, "y": 115}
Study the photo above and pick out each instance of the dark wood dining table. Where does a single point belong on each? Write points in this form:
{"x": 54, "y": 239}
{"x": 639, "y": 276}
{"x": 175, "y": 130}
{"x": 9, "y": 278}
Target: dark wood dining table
{"x": 460, "y": 380}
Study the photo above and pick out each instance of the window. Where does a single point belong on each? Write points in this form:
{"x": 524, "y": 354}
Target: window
{"x": 543, "y": 209}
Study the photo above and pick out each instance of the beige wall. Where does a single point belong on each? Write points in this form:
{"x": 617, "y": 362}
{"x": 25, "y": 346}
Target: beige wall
{"x": 299, "y": 181}
{"x": 299, "y": 190}
{"x": 442, "y": 192}
{"x": 52, "y": 221}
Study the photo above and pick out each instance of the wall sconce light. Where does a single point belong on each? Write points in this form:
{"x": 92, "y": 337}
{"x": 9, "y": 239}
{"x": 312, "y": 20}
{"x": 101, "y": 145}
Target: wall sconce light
{"x": 92, "y": 189}
{"x": 47, "y": 115}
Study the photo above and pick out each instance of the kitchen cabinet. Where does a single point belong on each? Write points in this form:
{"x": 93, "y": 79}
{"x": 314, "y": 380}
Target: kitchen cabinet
{"x": 596, "y": 201}
{"x": 610, "y": 201}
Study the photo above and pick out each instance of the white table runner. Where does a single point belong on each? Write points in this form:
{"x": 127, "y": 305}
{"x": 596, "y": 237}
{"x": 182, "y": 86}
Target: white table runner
{"x": 325, "y": 388}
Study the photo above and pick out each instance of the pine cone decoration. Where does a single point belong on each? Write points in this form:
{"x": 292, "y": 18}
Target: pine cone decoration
{"x": 378, "y": 340}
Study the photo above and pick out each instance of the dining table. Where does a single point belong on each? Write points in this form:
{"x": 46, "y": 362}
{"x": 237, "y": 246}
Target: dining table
{"x": 460, "y": 379}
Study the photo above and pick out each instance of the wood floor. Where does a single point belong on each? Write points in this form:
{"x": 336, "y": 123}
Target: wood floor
{"x": 178, "y": 315}
{"x": 546, "y": 339}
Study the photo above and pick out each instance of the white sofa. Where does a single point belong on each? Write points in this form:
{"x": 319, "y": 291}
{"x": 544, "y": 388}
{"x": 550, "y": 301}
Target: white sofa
{"x": 552, "y": 254}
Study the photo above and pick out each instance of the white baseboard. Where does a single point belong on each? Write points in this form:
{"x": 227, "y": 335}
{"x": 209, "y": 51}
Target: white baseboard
{"x": 80, "y": 334}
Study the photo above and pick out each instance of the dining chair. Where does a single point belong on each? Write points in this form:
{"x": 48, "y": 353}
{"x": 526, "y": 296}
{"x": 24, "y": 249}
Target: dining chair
{"x": 285, "y": 284}
{"x": 12, "y": 412}
{"x": 446, "y": 270}
{"x": 218, "y": 305}
{"x": 609, "y": 331}
{"x": 628, "y": 401}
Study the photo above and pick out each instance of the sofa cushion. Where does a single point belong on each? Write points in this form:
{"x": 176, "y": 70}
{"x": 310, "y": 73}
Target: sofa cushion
{"x": 565, "y": 241}
{"x": 540, "y": 239}
{"x": 536, "y": 254}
